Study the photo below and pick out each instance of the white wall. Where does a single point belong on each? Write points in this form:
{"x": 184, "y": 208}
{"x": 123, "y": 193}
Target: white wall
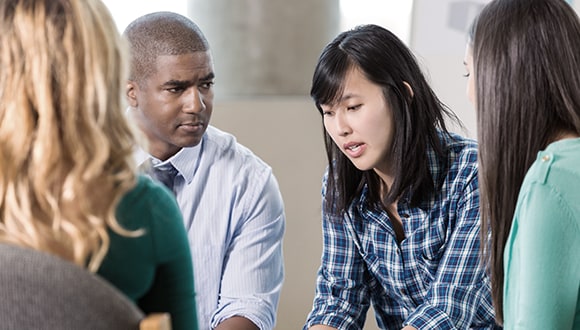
{"x": 438, "y": 38}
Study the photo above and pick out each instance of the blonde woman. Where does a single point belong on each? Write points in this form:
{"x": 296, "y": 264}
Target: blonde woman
{"x": 67, "y": 181}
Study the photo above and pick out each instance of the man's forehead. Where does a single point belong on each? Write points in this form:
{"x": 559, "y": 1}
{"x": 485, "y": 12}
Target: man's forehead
{"x": 181, "y": 70}
{"x": 198, "y": 57}
{"x": 197, "y": 64}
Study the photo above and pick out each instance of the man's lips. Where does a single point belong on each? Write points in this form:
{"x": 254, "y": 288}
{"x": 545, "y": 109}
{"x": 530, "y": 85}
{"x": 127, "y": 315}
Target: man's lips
{"x": 197, "y": 123}
{"x": 192, "y": 127}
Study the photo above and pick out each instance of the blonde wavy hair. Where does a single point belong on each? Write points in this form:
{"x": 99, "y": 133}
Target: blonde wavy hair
{"x": 65, "y": 145}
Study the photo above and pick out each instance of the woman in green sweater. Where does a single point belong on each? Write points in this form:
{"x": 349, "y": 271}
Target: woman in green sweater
{"x": 67, "y": 179}
{"x": 523, "y": 65}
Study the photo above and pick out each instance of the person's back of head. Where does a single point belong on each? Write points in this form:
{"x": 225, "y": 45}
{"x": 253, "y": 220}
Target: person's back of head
{"x": 524, "y": 48}
{"x": 65, "y": 146}
{"x": 161, "y": 33}
{"x": 526, "y": 57}
{"x": 418, "y": 114}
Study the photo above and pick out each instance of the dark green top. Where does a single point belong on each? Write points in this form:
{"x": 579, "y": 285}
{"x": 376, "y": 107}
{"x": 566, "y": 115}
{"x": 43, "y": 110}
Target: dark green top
{"x": 154, "y": 269}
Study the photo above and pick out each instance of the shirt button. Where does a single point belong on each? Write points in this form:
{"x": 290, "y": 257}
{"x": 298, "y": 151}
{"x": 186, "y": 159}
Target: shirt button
{"x": 546, "y": 158}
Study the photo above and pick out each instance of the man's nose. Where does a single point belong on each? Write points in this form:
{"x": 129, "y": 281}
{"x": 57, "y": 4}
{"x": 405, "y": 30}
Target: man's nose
{"x": 193, "y": 101}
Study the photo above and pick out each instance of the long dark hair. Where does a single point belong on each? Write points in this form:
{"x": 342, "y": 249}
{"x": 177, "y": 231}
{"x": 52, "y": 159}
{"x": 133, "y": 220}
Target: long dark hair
{"x": 527, "y": 71}
{"x": 386, "y": 61}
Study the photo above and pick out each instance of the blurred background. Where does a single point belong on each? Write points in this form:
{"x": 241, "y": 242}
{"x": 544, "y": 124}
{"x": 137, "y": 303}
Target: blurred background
{"x": 264, "y": 55}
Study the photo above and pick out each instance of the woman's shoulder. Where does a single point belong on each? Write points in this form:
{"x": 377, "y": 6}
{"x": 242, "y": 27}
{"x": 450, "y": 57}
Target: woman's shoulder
{"x": 146, "y": 190}
{"x": 557, "y": 167}
{"x": 461, "y": 153}
{"x": 462, "y": 168}
{"x": 146, "y": 200}
{"x": 460, "y": 144}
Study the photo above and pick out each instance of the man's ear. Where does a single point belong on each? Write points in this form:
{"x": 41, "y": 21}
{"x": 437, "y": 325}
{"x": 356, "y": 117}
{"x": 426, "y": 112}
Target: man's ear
{"x": 409, "y": 90}
{"x": 132, "y": 93}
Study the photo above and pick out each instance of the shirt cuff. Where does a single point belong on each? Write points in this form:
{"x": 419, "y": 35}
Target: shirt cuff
{"x": 335, "y": 321}
{"x": 429, "y": 317}
{"x": 257, "y": 312}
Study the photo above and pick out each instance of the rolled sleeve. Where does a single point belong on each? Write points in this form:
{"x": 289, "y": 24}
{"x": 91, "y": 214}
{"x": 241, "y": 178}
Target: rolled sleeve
{"x": 342, "y": 298}
{"x": 254, "y": 272}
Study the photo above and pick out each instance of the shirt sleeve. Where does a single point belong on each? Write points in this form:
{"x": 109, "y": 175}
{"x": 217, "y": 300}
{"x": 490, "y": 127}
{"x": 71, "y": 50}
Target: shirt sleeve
{"x": 460, "y": 289}
{"x": 173, "y": 286}
{"x": 542, "y": 270}
{"x": 254, "y": 268}
{"x": 342, "y": 298}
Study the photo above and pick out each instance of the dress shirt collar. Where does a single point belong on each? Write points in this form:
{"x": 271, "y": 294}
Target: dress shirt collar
{"x": 185, "y": 160}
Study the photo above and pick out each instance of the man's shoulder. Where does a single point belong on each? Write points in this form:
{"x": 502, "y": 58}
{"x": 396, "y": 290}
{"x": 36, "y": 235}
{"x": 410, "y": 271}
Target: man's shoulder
{"x": 224, "y": 147}
{"x": 237, "y": 168}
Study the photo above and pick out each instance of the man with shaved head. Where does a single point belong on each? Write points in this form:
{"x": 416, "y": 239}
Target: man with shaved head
{"x": 230, "y": 200}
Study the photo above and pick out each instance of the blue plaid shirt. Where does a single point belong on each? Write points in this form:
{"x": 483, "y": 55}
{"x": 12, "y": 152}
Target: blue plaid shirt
{"x": 431, "y": 280}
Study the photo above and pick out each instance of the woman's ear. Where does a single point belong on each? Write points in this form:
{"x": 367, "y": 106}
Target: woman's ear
{"x": 131, "y": 92}
{"x": 409, "y": 90}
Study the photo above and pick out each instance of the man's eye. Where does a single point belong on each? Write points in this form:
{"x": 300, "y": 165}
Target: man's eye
{"x": 175, "y": 89}
{"x": 207, "y": 85}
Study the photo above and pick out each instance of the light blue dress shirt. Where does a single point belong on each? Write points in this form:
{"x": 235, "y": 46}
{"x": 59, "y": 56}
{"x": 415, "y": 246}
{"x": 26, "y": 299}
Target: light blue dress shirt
{"x": 234, "y": 217}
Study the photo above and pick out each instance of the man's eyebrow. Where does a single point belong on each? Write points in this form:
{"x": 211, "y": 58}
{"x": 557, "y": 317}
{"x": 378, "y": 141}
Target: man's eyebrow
{"x": 174, "y": 82}
{"x": 210, "y": 76}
